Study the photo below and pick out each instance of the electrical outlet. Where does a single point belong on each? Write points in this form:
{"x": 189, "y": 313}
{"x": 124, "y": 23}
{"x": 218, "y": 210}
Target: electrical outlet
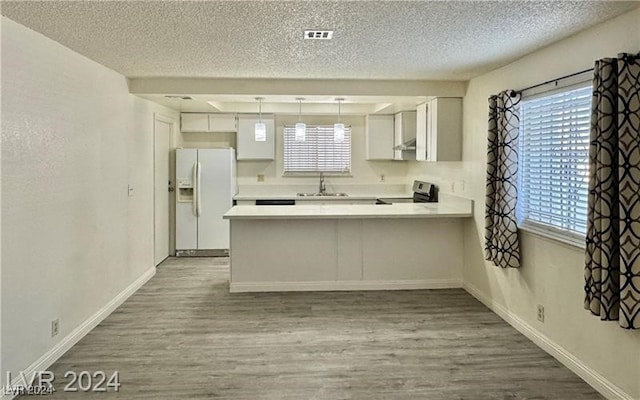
{"x": 540, "y": 313}
{"x": 130, "y": 190}
{"x": 382, "y": 178}
{"x": 260, "y": 178}
{"x": 55, "y": 327}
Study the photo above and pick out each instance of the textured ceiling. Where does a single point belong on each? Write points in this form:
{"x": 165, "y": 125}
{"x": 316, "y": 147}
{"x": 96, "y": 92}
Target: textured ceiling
{"x": 263, "y": 39}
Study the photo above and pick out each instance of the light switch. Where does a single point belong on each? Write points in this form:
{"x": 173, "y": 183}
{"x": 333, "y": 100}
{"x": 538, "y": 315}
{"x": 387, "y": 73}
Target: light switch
{"x": 130, "y": 190}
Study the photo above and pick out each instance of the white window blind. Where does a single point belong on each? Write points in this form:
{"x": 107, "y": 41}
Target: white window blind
{"x": 554, "y": 161}
{"x": 319, "y": 152}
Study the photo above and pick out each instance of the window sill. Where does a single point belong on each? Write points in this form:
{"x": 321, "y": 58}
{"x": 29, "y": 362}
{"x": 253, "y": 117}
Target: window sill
{"x": 554, "y": 235}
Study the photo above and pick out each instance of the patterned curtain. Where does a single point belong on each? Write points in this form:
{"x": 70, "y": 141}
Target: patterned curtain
{"x": 501, "y": 231}
{"x": 612, "y": 273}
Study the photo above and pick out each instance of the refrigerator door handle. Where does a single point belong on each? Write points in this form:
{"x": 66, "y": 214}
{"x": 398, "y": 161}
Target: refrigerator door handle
{"x": 194, "y": 198}
{"x": 199, "y": 191}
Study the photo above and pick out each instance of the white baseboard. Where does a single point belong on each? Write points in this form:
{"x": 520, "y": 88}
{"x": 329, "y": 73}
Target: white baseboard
{"x": 593, "y": 378}
{"x": 309, "y": 286}
{"x": 81, "y": 331}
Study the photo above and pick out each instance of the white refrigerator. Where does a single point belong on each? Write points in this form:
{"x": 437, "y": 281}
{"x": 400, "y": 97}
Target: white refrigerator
{"x": 206, "y": 184}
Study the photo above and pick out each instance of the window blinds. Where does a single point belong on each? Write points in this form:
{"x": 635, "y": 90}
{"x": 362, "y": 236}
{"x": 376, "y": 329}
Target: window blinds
{"x": 318, "y": 152}
{"x": 554, "y": 159}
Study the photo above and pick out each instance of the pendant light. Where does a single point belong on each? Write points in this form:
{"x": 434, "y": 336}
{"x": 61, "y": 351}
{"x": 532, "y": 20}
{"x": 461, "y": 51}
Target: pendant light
{"x": 338, "y": 128}
{"x": 301, "y": 127}
{"x": 260, "y": 134}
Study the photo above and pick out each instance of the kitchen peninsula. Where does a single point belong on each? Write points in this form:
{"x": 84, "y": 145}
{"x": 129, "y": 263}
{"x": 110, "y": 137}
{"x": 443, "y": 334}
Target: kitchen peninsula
{"x": 347, "y": 246}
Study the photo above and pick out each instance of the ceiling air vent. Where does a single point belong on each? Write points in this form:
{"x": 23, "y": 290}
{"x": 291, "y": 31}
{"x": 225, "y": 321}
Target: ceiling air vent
{"x": 180, "y": 97}
{"x": 321, "y": 35}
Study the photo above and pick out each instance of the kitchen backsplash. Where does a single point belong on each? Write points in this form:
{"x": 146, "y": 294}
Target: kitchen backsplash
{"x": 351, "y": 189}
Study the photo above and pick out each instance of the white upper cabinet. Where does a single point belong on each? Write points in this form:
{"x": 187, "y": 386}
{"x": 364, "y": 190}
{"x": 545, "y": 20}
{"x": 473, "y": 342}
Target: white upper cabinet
{"x": 205, "y": 122}
{"x": 379, "y": 137}
{"x": 194, "y": 122}
{"x": 405, "y": 133}
{"x": 384, "y": 132}
{"x": 248, "y": 147}
{"x": 439, "y": 130}
{"x": 223, "y": 123}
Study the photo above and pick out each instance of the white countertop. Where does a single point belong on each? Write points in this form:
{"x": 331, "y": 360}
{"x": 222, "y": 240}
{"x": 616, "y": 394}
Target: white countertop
{"x": 453, "y": 207}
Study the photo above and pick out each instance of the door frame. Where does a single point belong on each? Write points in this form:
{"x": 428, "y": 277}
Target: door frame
{"x": 172, "y": 201}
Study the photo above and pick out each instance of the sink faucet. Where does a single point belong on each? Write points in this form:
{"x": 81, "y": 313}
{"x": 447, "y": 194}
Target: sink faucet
{"x": 322, "y": 188}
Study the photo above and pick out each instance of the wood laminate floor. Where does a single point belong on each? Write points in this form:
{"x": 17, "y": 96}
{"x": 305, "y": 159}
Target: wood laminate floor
{"x": 184, "y": 336}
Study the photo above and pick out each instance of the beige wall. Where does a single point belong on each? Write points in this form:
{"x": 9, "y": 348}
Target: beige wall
{"x": 1, "y": 95}
{"x": 551, "y": 273}
{"x": 447, "y": 175}
{"x": 73, "y": 139}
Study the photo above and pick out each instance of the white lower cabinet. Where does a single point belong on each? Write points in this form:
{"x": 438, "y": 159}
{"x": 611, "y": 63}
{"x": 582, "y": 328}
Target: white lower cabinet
{"x": 245, "y": 202}
{"x": 345, "y": 254}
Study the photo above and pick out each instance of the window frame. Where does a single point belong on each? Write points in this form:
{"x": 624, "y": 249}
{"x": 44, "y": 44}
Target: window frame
{"x": 537, "y": 228}
{"x": 290, "y": 130}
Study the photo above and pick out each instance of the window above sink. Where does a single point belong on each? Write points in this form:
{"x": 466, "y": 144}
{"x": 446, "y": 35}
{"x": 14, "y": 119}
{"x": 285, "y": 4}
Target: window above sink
{"x": 318, "y": 152}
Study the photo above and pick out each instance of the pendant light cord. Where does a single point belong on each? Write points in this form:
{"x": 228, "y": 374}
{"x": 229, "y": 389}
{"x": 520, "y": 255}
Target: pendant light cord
{"x": 339, "y": 108}
{"x": 259, "y": 108}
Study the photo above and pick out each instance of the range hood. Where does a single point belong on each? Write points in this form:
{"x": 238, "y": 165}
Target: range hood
{"x": 404, "y": 135}
{"x": 409, "y": 145}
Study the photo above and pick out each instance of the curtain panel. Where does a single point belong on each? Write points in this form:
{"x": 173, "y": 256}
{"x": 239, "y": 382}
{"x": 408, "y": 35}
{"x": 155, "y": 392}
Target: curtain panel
{"x": 501, "y": 231}
{"x": 612, "y": 271}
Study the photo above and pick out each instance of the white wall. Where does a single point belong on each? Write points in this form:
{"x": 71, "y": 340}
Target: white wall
{"x": 551, "y": 273}
{"x": 73, "y": 138}
{"x": 1, "y": 369}
{"x": 447, "y": 175}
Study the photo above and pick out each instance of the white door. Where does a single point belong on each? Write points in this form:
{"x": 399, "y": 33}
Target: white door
{"x": 162, "y": 131}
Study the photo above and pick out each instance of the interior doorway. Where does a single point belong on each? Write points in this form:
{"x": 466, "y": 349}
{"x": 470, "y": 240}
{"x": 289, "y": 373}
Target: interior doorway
{"x": 162, "y": 141}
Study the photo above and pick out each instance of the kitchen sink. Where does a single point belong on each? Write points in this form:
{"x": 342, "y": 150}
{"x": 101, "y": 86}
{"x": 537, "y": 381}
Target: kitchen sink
{"x": 325, "y": 194}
